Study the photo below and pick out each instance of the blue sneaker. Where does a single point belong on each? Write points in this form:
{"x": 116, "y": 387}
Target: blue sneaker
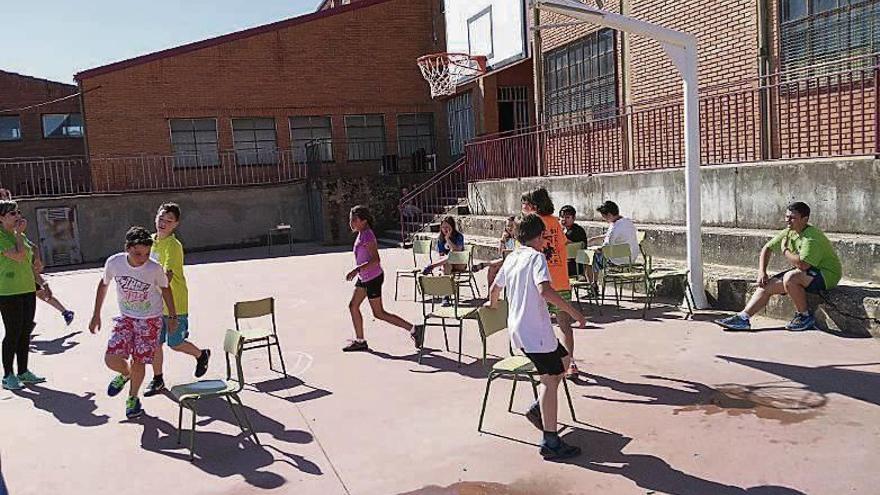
{"x": 133, "y": 408}
{"x": 68, "y": 317}
{"x": 734, "y": 323}
{"x": 11, "y": 382}
{"x": 801, "y": 322}
{"x": 117, "y": 385}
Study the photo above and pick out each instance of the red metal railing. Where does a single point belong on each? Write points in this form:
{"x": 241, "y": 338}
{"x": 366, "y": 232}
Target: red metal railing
{"x": 820, "y": 111}
{"x": 432, "y": 199}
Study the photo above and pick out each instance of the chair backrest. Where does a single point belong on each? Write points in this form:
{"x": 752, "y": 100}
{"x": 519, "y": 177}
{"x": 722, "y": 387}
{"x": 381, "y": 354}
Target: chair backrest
{"x": 585, "y": 256}
{"x": 254, "y": 309}
{"x": 461, "y": 257}
{"x": 437, "y": 285}
{"x": 618, "y": 251}
{"x": 492, "y": 320}
{"x": 640, "y": 236}
{"x": 233, "y": 344}
{"x": 421, "y": 246}
{"x": 572, "y": 249}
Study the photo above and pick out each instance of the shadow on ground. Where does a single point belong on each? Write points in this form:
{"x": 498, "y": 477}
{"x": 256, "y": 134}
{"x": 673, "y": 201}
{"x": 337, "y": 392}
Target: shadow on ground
{"x": 55, "y": 346}
{"x": 68, "y": 408}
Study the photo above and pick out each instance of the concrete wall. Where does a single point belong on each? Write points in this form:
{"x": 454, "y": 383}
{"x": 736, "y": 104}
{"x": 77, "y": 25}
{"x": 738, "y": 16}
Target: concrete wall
{"x": 842, "y": 193}
{"x": 211, "y": 218}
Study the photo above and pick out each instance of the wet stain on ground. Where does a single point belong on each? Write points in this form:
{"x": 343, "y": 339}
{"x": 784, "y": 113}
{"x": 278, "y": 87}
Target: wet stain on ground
{"x": 785, "y": 404}
{"x": 486, "y": 488}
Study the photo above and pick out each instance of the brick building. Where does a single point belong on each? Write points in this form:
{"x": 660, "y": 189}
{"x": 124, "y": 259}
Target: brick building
{"x": 338, "y": 86}
{"x": 29, "y": 128}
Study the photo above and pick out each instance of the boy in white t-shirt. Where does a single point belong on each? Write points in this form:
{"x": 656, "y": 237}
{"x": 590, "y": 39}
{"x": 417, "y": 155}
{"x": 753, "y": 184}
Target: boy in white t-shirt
{"x": 141, "y": 287}
{"x": 527, "y": 279}
{"x": 621, "y": 230}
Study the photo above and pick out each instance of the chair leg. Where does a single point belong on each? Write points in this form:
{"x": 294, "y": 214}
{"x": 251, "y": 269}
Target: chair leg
{"x": 534, "y": 387}
{"x": 460, "y": 335}
{"x": 192, "y": 436}
{"x": 445, "y": 335}
{"x": 475, "y": 285}
{"x": 247, "y": 421}
{"x": 485, "y": 399}
{"x": 179, "y": 421}
{"x": 484, "y": 350}
{"x": 570, "y": 403}
{"x": 512, "y": 393}
{"x": 396, "y": 285}
{"x": 269, "y": 352}
{"x": 280, "y": 357}
{"x": 688, "y": 297}
{"x": 235, "y": 414}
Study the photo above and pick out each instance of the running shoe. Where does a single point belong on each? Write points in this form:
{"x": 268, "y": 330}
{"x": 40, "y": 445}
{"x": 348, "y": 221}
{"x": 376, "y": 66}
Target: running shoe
{"x": 202, "y": 363}
{"x": 156, "y": 386}
{"x": 534, "y": 416}
{"x": 11, "y": 382}
{"x": 117, "y": 385}
{"x": 133, "y": 408}
{"x": 28, "y": 378}
{"x": 559, "y": 452}
{"x": 734, "y": 323}
{"x": 801, "y": 322}
{"x": 356, "y": 345}
{"x": 68, "y": 316}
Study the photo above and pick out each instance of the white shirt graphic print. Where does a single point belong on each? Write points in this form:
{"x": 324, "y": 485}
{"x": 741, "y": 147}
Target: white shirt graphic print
{"x": 138, "y": 289}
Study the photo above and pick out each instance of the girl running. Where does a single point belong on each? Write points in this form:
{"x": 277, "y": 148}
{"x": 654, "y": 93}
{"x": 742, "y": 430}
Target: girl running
{"x": 369, "y": 274}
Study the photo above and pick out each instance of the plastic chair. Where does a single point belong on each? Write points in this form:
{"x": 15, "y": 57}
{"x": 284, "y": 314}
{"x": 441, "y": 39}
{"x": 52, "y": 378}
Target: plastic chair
{"x": 466, "y": 278}
{"x": 585, "y": 258}
{"x": 659, "y": 274}
{"x": 189, "y": 394}
{"x": 492, "y": 321}
{"x": 433, "y": 287}
{"x": 621, "y": 274}
{"x": 258, "y": 338}
{"x": 419, "y": 247}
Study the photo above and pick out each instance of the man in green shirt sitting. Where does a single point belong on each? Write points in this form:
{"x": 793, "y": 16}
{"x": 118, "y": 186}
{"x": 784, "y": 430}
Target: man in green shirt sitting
{"x": 815, "y": 267}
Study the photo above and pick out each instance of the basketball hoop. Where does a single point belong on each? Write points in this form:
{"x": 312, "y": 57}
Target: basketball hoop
{"x": 444, "y": 71}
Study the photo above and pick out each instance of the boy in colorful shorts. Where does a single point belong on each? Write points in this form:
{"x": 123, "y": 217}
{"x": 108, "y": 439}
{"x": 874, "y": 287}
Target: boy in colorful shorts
{"x": 141, "y": 288}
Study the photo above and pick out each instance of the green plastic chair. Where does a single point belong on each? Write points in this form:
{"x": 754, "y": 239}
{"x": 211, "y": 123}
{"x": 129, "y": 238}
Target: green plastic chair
{"x": 419, "y": 248}
{"x": 656, "y": 275}
{"x": 260, "y": 337}
{"x": 466, "y": 278}
{"x": 433, "y": 287}
{"x": 189, "y": 394}
{"x": 585, "y": 257}
{"x": 492, "y": 321}
{"x": 628, "y": 273}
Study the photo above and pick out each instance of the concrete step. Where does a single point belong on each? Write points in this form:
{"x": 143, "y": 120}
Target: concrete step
{"x": 859, "y": 254}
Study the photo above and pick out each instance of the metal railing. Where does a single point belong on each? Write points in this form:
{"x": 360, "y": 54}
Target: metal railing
{"x": 828, "y": 110}
{"x": 432, "y": 199}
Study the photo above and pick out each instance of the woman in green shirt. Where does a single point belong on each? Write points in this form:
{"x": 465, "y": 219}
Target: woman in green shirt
{"x": 18, "y": 296}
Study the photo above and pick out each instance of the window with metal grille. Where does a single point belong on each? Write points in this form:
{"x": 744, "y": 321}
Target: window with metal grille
{"x": 819, "y": 32}
{"x": 580, "y": 78}
{"x": 460, "y": 117}
{"x": 366, "y": 136}
{"x": 194, "y": 142}
{"x": 254, "y": 141}
{"x": 10, "y": 128}
{"x": 311, "y": 137}
{"x": 62, "y": 125}
{"x": 415, "y": 133}
{"x": 513, "y": 108}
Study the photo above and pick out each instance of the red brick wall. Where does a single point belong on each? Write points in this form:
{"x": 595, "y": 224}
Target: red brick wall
{"x": 17, "y": 91}
{"x": 360, "y": 60}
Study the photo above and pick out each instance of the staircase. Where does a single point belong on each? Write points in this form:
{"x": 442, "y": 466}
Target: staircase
{"x": 425, "y": 206}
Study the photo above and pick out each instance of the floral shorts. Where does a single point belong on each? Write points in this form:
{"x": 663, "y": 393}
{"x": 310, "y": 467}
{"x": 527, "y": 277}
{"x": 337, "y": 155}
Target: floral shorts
{"x": 136, "y": 338}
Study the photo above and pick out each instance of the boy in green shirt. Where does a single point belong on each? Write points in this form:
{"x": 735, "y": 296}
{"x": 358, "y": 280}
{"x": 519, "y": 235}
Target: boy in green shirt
{"x": 815, "y": 268}
{"x": 168, "y": 252}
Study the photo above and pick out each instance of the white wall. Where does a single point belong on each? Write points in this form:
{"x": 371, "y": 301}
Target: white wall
{"x": 507, "y": 28}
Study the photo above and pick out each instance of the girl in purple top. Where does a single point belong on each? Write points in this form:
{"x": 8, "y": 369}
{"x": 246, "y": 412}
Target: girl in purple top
{"x": 368, "y": 271}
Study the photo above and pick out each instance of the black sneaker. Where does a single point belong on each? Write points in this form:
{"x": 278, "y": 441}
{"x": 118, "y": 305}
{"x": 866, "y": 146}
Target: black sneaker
{"x": 418, "y": 336}
{"x": 561, "y": 451}
{"x": 534, "y": 417}
{"x": 356, "y": 345}
{"x": 156, "y": 386}
{"x": 202, "y": 363}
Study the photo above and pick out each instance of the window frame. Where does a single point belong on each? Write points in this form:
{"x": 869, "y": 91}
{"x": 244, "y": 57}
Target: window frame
{"x": 20, "y": 137}
{"x": 199, "y": 163}
{"x": 356, "y": 154}
{"x": 67, "y": 117}
{"x": 431, "y": 137}
{"x": 259, "y": 159}
{"x": 582, "y": 59}
{"x": 326, "y": 152}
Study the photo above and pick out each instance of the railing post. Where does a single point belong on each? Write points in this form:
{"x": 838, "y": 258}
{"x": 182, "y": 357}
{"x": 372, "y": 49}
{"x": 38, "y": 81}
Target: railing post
{"x": 877, "y": 107}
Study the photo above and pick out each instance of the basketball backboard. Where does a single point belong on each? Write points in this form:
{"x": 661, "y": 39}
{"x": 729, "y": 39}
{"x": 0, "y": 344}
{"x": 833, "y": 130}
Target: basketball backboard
{"x": 493, "y": 28}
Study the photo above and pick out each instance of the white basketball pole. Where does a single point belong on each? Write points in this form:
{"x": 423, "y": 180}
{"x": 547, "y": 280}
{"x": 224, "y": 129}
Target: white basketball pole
{"x": 682, "y": 49}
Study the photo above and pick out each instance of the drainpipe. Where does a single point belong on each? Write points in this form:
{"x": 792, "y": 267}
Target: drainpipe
{"x": 765, "y": 69}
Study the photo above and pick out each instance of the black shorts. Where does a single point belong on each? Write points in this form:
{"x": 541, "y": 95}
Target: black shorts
{"x": 373, "y": 286}
{"x": 815, "y": 287}
{"x": 548, "y": 363}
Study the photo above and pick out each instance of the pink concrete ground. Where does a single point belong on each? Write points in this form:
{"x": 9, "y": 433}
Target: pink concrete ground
{"x": 666, "y": 405}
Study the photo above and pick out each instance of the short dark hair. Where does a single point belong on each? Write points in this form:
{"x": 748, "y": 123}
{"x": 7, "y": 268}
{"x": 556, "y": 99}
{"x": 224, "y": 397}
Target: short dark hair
{"x": 541, "y": 199}
{"x": 608, "y": 208}
{"x": 7, "y": 205}
{"x": 528, "y": 227}
{"x": 363, "y": 213}
{"x": 172, "y": 208}
{"x": 800, "y": 208}
{"x": 138, "y": 236}
{"x": 567, "y": 210}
